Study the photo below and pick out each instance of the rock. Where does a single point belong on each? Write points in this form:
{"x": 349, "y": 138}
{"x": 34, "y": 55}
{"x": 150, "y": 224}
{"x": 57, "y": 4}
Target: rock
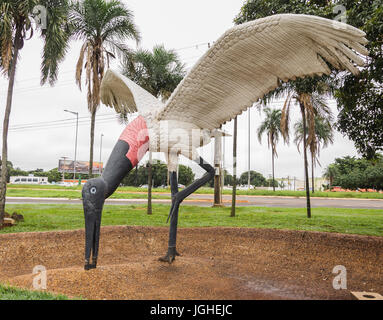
{"x": 9, "y": 222}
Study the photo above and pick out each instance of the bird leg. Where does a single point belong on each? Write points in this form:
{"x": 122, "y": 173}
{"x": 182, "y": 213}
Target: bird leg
{"x": 177, "y": 198}
{"x": 94, "y": 193}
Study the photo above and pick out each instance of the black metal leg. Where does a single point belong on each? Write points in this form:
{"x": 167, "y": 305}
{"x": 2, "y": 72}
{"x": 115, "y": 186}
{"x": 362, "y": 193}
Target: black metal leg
{"x": 177, "y": 198}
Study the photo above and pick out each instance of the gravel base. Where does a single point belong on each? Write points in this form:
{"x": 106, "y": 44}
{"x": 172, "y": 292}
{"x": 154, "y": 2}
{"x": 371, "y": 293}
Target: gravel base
{"x": 216, "y": 263}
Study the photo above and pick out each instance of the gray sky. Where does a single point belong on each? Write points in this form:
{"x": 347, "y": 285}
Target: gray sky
{"x": 186, "y": 26}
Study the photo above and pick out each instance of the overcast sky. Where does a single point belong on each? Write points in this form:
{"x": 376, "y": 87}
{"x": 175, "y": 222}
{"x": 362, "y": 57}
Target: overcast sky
{"x": 186, "y": 26}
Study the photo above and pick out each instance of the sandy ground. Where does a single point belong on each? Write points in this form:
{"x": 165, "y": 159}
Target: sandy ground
{"x": 216, "y": 263}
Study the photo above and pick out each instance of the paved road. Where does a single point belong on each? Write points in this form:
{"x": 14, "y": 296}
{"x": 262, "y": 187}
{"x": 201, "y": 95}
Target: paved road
{"x": 207, "y": 200}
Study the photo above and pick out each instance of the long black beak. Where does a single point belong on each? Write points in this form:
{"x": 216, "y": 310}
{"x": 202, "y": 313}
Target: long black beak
{"x": 93, "y": 195}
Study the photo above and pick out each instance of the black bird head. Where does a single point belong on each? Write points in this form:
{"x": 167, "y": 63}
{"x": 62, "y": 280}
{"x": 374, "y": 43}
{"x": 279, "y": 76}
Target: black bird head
{"x": 93, "y": 195}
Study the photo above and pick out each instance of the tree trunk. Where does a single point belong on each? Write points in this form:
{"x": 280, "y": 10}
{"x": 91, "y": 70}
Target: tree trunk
{"x": 92, "y": 126}
{"x": 234, "y": 194}
{"x": 4, "y": 158}
{"x": 312, "y": 173}
{"x": 272, "y": 155}
{"x": 150, "y": 179}
{"x": 305, "y": 160}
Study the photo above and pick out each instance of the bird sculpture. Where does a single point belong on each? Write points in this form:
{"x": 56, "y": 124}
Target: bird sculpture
{"x": 245, "y": 64}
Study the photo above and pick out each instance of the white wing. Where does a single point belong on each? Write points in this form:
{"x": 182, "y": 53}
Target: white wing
{"x": 122, "y": 94}
{"x": 249, "y": 61}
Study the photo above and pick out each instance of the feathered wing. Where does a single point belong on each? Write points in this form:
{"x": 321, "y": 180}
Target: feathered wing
{"x": 125, "y": 96}
{"x": 252, "y": 59}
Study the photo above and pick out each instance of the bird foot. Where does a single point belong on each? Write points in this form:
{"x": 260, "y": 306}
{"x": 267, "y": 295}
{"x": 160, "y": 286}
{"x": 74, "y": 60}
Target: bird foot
{"x": 89, "y": 266}
{"x": 170, "y": 256}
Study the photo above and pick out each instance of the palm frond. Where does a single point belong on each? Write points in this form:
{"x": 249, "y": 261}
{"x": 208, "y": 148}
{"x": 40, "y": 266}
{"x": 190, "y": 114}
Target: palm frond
{"x": 80, "y": 64}
{"x": 56, "y": 39}
{"x": 158, "y": 71}
{"x": 285, "y": 118}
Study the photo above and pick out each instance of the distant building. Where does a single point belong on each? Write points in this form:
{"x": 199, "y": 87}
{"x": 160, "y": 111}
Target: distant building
{"x": 295, "y": 184}
{"x": 28, "y": 180}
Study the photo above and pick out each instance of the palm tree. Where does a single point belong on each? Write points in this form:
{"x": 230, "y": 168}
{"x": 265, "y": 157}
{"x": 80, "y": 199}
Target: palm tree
{"x": 159, "y": 72}
{"x": 309, "y": 94}
{"x": 16, "y": 27}
{"x": 103, "y": 27}
{"x": 330, "y": 174}
{"x": 324, "y": 135}
{"x": 272, "y": 126}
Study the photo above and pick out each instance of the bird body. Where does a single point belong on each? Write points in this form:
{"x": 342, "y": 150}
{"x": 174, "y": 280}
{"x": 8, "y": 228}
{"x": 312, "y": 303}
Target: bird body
{"x": 172, "y": 137}
{"x": 242, "y": 66}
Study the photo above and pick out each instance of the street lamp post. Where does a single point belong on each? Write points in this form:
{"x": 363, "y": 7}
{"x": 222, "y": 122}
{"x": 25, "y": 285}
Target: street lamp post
{"x": 75, "y": 148}
{"x": 101, "y": 153}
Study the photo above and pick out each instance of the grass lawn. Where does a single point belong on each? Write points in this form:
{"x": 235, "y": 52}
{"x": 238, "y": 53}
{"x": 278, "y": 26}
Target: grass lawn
{"x": 68, "y": 217}
{"x": 73, "y": 194}
{"x": 52, "y": 191}
{"x": 11, "y": 293}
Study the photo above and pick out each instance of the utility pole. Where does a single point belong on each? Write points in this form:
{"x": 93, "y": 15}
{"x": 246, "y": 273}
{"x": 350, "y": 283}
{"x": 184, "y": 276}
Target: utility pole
{"x": 75, "y": 147}
{"x": 223, "y": 166}
{"x": 248, "y": 179}
{"x": 217, "y": 166}
{"x": 234, "y": 195}
{"x": 150, "y": 177}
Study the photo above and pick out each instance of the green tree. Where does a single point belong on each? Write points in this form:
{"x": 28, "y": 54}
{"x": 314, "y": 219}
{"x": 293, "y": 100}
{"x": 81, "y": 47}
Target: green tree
{"x": 159, "y": 72}
{"x": 54, "y": 175}
{"x": 103, "y": 27}
{"x": 185, "y": 175}
{"x": 271, "y": 183}
{"x": 256, "y": 179}
{"x": 257, "y": 9}
{"x": 360, "y": 98}
{"x": 15, "y": 28}
{"x": 228, "y": 178}
{"x": 272, "y": 127}
{"x": 324, "y": 135}
{"x": 353, "y": 173}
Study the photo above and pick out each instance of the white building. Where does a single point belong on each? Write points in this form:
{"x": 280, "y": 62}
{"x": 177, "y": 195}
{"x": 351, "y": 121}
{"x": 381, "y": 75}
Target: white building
{"x": 28, "y": 180}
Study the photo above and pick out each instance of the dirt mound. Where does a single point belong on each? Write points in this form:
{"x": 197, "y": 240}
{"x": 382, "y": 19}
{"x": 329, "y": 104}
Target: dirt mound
{"x": 216, "y": 263}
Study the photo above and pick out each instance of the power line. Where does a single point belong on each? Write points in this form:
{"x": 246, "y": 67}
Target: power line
{"x": 194, "y": 46}
{"x": 34, "y": 78}
{"x": 103, "y": 121}
{"x": 55, "y": 121}
{"x": 61, "y": 123}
